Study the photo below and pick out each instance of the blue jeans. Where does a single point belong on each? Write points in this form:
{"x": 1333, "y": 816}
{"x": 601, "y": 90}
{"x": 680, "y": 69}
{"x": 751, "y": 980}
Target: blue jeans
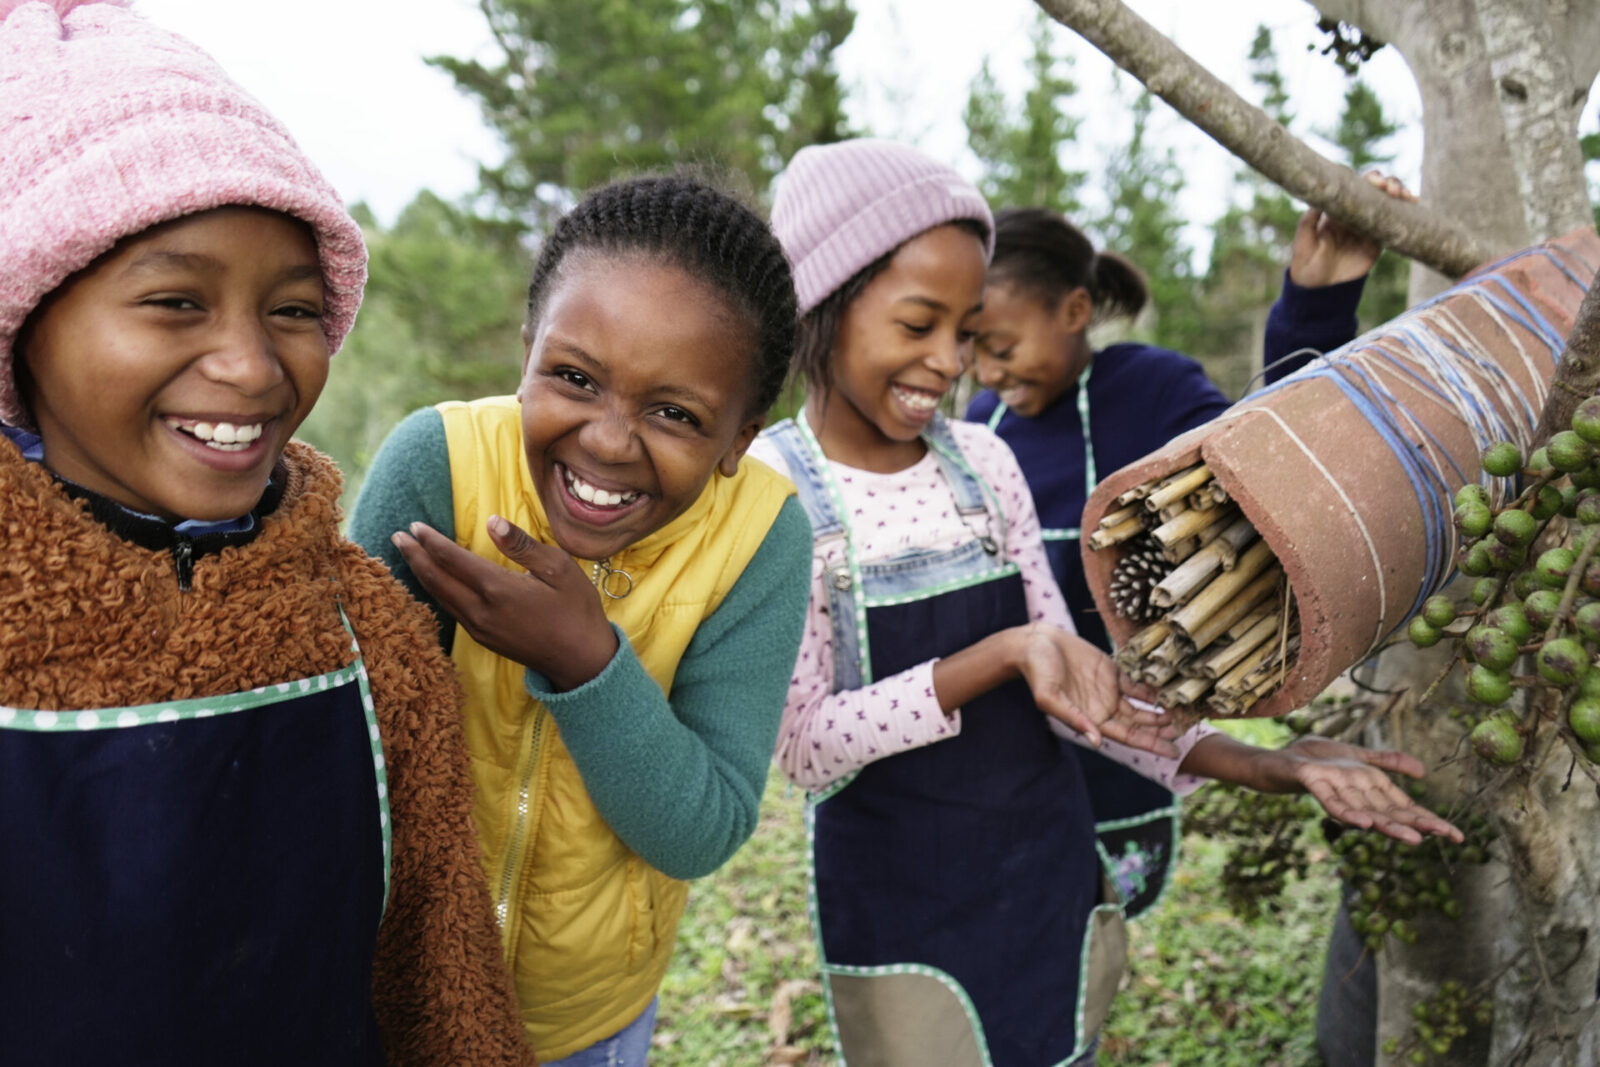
{"x": 628, "y": 1047}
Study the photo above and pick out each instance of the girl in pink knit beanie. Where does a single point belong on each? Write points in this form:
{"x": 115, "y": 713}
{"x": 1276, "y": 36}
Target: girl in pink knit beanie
{"x": 963, "y": 915}
{"x": 234, "y": 797}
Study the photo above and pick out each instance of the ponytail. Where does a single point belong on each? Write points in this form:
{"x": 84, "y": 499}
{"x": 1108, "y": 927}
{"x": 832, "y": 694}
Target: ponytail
{"x": 1046, "y": 257}
{"x": 1117, "y": 288}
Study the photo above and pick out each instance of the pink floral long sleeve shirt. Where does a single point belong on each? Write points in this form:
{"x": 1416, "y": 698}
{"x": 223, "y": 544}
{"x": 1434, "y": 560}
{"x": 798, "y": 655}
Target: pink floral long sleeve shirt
{"x": 825, "y": 736}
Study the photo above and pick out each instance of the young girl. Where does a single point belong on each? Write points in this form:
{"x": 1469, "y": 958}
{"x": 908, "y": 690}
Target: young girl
{"x": 1070, "y": 413}
{"x": 627, "y": 606}
{"x": 234, "y": 799}
{"x": 961, "y": 910}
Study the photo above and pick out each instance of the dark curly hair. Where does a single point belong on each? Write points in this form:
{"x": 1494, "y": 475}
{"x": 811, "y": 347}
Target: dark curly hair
{"x": 686, "y": 223}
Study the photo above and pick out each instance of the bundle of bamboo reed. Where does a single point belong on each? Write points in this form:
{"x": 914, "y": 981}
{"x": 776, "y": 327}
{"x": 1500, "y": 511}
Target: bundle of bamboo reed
{"x": 1222, "y": 633}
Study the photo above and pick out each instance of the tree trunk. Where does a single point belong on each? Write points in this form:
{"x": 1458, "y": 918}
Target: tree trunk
{"x": 1501, "y": 92}
{"x": 1502, "y": 84}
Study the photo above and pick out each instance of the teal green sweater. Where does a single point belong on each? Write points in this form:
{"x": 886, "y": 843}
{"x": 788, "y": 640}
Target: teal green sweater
{"x": 678, "y": 777}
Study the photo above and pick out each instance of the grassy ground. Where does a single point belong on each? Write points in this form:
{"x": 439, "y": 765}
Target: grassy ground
{"x": 1204, "y": 989}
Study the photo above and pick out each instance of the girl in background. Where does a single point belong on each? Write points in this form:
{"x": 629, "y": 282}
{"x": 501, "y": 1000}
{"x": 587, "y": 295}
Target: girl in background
{"x": 1071, "y": 413}
{"x": 962, "y": 915}
{"x": 622, "y": 595}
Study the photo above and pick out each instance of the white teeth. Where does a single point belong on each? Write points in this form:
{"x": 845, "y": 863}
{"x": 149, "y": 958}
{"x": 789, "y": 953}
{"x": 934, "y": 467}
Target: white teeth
{"x": 222, "y": 436}
{"x": 600, "y": 498}
{"x": 916, "y": 401}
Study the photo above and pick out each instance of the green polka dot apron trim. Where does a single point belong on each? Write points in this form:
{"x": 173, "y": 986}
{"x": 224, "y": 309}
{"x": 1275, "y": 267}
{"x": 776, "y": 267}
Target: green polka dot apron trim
{"x": 199, "y": 881}
{"x": 961, "y": 918}
{"x": 1137, "y": 821}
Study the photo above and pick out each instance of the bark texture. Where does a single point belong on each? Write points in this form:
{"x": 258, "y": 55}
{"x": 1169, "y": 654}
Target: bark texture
{"x": 1422, "y": 233}
{"x": 1502, "y": 84}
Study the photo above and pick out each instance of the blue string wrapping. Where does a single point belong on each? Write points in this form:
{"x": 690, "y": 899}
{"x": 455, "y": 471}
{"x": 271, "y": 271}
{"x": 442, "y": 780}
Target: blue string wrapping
{"x": 1459, "y": 377}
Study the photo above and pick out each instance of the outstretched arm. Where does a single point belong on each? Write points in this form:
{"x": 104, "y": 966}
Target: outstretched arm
{"x": 1350, "y": 782}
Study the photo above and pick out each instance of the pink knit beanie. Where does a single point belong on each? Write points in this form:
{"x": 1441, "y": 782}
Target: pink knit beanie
{"x": 841, "y": 206}
{"x": 108, "y": 126}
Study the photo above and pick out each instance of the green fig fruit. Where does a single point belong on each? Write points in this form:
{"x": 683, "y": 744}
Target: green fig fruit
{"x": 1584, "y": 718}
{"x": 1488, "y": 686}
{"x": 1492, "y": 647}
{"x": 1586, "y": 420}
{"x": 1496, "y": 742}
{"x": 1515, "y": 527}
{"x": 1422, "y": 633}
{"x": 1502, "y": 459}
{"x": 1568, "y": 452}
{"x": 1555, "y": 566}
{"x": 1561, "y": 660}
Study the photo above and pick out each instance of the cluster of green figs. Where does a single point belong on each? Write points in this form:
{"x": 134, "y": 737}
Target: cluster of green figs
{"x": 1543, "y": 603}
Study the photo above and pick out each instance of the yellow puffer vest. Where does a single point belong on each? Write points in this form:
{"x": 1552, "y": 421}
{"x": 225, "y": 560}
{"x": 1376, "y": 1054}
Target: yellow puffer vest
{"x": 588, "y": 926}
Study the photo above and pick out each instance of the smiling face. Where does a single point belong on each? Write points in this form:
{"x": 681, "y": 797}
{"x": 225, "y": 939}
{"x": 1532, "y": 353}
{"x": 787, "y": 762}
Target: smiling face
{"x": 638, "y": 385}
{"x": 1030, "y": 353}
{"x": 901, "y": 345}
{"x": 171, "y": 372}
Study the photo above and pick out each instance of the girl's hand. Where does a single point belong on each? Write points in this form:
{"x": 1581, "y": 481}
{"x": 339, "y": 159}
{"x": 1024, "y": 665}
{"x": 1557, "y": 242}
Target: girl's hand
{"x": 1075, "y": 682}
{"x": 1324, "y": 252}
{"x": 549, "y": 619}
{"x": 1351, "y": 784}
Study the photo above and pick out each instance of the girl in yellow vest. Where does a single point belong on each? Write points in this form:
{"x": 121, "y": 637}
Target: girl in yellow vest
{"x": 622, "y": 595}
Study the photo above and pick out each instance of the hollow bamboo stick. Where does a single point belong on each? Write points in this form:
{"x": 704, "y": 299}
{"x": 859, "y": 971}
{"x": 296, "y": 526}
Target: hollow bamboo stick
{"x": 1224, "y": 588}
{"x": 1173, "y": 650}
{"x": 1145, "y": 641}
{"x": 1232, "y": 684}
{"x": 1183, "y": 526}
{"x": 1187, "y": 578}
{"x": 1158, "y": 674}
{"x": 1255, "y": 615}
{"x": 1251, "y": 595}
{"x": 1136, "y": 494}
{"x": 1115, "y": 535}
{"x": 1222, "y": 660}
{"x": 1172, "y": 511}
{"x": 1182, "y": 550}
{"x": 1119, "y": 516}
{"x": 1177, "y": 486}
{"x": 1208, "y": 496}
{"x": 1185, "y": 692}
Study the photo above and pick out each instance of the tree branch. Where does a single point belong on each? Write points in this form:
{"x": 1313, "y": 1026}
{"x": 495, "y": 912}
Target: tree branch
{"x": 1247, "y": 132}
{"x": 1577, "y": 374}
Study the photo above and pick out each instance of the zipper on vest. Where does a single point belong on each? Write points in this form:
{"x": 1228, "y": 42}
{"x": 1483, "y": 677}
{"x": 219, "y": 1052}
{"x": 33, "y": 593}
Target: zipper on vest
{"x": 518, "y": 842}
{"x": 183, "y": 563}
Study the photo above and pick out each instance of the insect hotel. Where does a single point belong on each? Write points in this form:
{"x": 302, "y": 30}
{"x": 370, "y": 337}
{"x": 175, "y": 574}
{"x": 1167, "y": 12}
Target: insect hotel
{"x": 1245, "y": 565}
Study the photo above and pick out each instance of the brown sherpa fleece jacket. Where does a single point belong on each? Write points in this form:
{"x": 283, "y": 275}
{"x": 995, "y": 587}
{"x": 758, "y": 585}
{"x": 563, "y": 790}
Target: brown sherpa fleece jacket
{"x": 88, "y": 620}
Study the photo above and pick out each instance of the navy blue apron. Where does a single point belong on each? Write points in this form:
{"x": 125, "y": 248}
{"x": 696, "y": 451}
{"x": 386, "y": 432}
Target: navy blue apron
{"x": 1137, "y": 820}
{"x": 952, "y": 896}
{"x": 198, "y": 882}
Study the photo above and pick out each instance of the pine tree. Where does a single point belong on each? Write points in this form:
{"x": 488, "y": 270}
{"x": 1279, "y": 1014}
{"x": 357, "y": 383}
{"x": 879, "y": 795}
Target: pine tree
{"x": 1141, "y": 222}
{"x": 1021, "y": 152}
{"x": 582, "y": 91}
{"x": 1250, "y": 242}
{"x": 1362, "y": 130}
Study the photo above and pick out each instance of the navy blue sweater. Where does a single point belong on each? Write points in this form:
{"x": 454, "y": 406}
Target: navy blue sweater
{"x": 1140, "y": 397}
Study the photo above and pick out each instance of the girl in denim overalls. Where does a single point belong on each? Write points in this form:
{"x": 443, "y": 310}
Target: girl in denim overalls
{"x": 962, "y": 917}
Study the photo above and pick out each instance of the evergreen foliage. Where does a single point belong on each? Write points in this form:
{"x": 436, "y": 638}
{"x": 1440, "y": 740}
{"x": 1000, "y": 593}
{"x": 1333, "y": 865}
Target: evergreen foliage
{"x": 583, "y": 91}
{"x": 1021, "y": 151}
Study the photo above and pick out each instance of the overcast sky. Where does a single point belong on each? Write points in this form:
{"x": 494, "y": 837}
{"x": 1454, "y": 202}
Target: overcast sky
{"x": 347, "y": 77}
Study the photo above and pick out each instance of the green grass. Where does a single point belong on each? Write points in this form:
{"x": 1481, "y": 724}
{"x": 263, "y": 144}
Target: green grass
{"x": 1204, "y": 989}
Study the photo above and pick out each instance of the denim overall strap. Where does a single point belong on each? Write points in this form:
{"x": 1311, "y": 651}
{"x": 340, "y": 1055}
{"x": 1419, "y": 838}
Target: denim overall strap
{"x": 973, "y": 496}
{"x": 830, "y": 547}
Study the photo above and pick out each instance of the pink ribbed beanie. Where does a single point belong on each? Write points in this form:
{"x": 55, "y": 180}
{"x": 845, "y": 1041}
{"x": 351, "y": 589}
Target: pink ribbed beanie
{"x": 109, "y": 125}
{"x": 841, "y": 206}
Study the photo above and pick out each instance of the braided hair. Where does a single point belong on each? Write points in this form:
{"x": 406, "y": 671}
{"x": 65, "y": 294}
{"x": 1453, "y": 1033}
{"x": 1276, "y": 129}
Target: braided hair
{"x": 684, "y": 222}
